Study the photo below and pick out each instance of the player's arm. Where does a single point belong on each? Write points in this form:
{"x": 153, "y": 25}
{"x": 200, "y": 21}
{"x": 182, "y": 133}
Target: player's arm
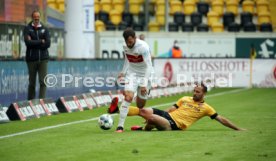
{"x": 147, "y": 58}
{"x": 175, "y": 106}
{"x": 172, "y": 108}
{"x": 125, "y": 68}
{"x": 224, "y": 121}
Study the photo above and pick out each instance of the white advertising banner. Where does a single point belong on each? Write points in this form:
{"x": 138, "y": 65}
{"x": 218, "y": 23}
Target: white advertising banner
{"x": 264, "y": 73}
{"x": 191, "y": 46}
{"x": 194, "y": 46}
{"x": 217, "y": 72}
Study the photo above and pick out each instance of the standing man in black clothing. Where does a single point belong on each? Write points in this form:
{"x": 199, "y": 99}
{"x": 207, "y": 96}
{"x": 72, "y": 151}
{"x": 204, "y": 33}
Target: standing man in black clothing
{"x": 37, "y": 40}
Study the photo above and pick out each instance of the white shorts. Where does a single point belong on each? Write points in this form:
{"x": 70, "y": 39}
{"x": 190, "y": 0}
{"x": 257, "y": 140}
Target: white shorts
{"x": 134, "y": 83}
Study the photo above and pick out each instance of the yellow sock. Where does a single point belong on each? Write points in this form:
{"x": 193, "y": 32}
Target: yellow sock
{"x": 133, "y": 111}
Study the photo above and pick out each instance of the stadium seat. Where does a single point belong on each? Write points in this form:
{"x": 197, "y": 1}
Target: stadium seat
{"x": 60, "y": 5}
{"x": 52, "y": 4}
{"x": 202, "y": 28}
{"x": 246, "y": 17}
{"x": 160, "y": 6}
{"x": 173, "y": 27}
{"x": 233, "y": 27}
{"x": 151, "y": 8}
{"x": 160, "y": 17}
{"x": 99, "y": 25}
{"x": 187, "y": 27}
{"x": 110, "y": 26}
{"x": 196, "y": 18}
{"x": 115, "y": 17}
{"x": 249, "y": 27}
{"x": 106, "y": 5}
{"x": 232, "y": 6}
{"x": 179, "y": 18}
{"x": 134, "y": 6}
{"x": 262, "y": 6}
{"x": 153, "y": 26}
{"x": 264, "y": 17}
{"x": 189, "y": 7}
{"x": 142, "y": 18}
{"x": 217, "y": 27}
{"x": 138, "y": 27}
{"x": 266, "y": 27}
{"x": 119, "y": 5}
{"x": 122, "y": 26}
{"x": 103, "y": 16}
{"x": 97, "y": 6}
{"x": 218, "y": 7}
{"x": 212, "y": 17}
{"x": 128, "y": 18}
{"x": 228, "y": 18}
{"x": 248, "y": 6}
{"x": 175, "y": 6}
{"x": 203, "y": 8}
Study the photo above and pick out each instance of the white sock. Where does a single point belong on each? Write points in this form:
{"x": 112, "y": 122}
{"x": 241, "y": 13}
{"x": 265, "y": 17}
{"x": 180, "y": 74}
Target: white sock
{"x": 123, "y": 113}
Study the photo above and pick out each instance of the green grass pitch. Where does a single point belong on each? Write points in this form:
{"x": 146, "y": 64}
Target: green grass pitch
{"x": 207, "y": 140}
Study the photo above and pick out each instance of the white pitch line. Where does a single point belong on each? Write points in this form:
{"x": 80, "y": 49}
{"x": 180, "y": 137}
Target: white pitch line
{"x": 96, "y": 118}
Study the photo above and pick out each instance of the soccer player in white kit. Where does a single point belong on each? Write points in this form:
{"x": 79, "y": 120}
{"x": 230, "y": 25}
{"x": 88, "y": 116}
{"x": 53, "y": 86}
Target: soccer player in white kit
{"x": 136, "y": 74}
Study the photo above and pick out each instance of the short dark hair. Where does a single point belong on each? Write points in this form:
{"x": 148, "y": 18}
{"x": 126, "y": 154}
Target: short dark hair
{"x": 35, "y": 12}
{"x": 128, "y": 32}
{"x": 204, "y": 87}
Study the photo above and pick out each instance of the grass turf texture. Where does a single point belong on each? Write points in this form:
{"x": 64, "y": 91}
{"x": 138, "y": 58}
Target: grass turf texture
{"x": 253, "y": 109}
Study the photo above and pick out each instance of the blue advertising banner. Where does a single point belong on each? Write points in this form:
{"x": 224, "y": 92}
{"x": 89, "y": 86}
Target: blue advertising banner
{"x": 65, "y": 78}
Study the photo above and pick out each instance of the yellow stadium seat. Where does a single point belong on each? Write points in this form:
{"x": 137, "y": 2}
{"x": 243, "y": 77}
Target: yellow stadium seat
{"x": 115, "y": 17}
{"x": 52, "y": 4}
{"x": 212, "y": 17}
{"x": 61, "y": 7}
{"x": 218, "y": 6}
{"x": 141, "y": 1}
{"x": 264, "y": 17}
{"x": 248, "y": 6}
{"x": 106, "y": 5}
{"x": 60, "y": 1}
{"x": 189, "y": 7}
{"x": 160, "y": 6}
{"x": 153, "y": 1}
{"x": 217, "y": 27}
{"x": 119, "y": 5}
{"x": 99, "y": 26}
{"x": 175, "y": 6}
{"x": 262, "y": 6}
{"x": 134, "y": 7}
{"x": 97, "y": 6}
{"x": 160, "y": 18}
{"x": 153, "y": 26}
{"x": 232, "y": 6}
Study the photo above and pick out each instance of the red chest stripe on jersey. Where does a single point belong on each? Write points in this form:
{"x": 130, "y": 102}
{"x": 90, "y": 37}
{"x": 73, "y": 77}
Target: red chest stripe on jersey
{"x": 135, "y": 59}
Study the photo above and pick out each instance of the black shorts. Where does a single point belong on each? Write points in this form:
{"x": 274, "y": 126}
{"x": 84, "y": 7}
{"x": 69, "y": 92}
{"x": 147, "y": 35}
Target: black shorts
{"x": 166, "y": 115}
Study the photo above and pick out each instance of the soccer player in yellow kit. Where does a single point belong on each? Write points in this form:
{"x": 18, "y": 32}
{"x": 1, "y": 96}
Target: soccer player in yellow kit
{"x": 181, "y": 115}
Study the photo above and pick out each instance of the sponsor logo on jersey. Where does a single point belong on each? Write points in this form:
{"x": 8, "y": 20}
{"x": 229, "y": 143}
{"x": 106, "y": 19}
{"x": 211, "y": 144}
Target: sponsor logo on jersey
{"x": 135, "y": 58}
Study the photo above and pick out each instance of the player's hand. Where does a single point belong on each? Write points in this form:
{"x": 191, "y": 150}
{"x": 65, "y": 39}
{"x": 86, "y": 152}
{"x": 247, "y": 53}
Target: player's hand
{"x": 121, "y": 79}
{"x": 144, "y": 91}
{"x": 121, "y": 75}
{"x": 43, "y": 41}
{"x": 242, "y": 129}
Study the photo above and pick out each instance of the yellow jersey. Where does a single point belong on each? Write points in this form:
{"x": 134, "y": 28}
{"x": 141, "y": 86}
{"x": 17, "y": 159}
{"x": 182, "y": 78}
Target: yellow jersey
{"x": 189, "y": 111}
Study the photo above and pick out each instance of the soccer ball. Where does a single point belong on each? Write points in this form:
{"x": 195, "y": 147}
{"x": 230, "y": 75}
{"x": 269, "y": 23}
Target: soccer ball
{"x": 105, "y": 121}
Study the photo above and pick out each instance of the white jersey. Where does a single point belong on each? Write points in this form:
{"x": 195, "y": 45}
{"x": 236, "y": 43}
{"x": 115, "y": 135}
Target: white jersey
{"x": 138, "y": 60}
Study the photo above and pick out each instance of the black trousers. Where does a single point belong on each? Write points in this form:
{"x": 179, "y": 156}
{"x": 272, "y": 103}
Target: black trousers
{"x": 34, "y": 68}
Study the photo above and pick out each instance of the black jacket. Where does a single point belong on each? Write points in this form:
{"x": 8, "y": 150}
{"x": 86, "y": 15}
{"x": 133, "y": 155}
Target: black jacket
{"x": 36, "y": 50}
